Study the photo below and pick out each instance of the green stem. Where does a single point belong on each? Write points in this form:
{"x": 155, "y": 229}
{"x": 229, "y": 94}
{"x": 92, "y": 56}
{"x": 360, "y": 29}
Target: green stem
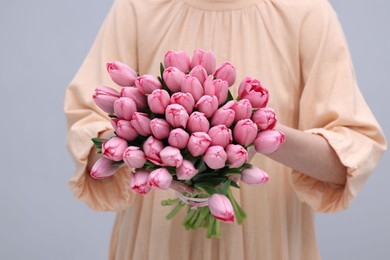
{"x": 175, "y": 210}
{"x": 238, "y": 211}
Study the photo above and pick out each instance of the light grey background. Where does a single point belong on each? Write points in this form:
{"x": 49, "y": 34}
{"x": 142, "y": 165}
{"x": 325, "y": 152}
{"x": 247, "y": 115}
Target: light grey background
{"x": 42, "y": 45}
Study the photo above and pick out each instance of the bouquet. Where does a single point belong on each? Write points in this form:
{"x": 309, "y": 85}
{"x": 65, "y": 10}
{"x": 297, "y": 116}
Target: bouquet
{"x": 183, "y": 130}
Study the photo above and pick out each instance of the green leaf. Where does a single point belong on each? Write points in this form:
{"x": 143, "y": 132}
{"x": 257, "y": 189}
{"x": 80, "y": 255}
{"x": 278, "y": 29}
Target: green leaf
{"x": 117, "y": 164}
{"x": 112, "y": 116}
{"x": 225, "y": 187}
{"x": 230, "y": 96}
{"x": 209, "y": 189}
{"x": 161, "y": 69}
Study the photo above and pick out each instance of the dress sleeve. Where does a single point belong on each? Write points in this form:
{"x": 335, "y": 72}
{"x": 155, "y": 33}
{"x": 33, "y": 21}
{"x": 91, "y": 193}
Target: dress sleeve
{"x": 332, "y": 106}
{"x": 116, "y": 40}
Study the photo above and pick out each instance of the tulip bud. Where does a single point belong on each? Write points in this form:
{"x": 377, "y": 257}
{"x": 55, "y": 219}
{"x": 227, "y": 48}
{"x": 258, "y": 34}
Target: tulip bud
{"x": 199, "y": 72}
{"x": 147, "y": 83}
{"x": 197, "y": 122}
{"x": 198, "y": 143}
{"x": 236, "y": 155}
{"x": 122, "y": 74}
{"x": 220, "y": 135}
{"x": 265, "y": 118}
{"x": 171, "y": 156}
{"x": 254, "y": 175}
{"x": 252, "y": 90}
{"x": 160, "y": 128}
{"x": 221, "y": 208}
{"x": 178, "y": 59}
{"x": 192, "y": 85}
{"x": 176, "y": 115}
{"x": 268, "y": 141}
{"x": 103, "y": 168}
{"x": 113, "y": 149}
{"x": 243, "y": 110}
{"x": 105, "y": 97}
{"x": 160, "y": 179}
{"x": 173, "y": 77}
{"x": 226, "y": 72}
{"x": 134, "y": 157}
{"x": 124, "y": 108}
{"x": 204, "y": 58}
{"x": 245, "y": 132}
{"x": 217, "y": 87}
{"x": 184, "y": 99}
{"x": 207, "y": 105}
{"x": 152, "y": 148}
{"x": 135, "y": 95}
{"x": 215, "y": 157}
{"x": 186, "y": 171}
{"x": 178, "y": 138}
{"x": 141, "y": 123}
{"x": 124, "y": 129}
{"x": 223, "y": 117}
{"x": 158, "y": 100}
{"x": 139, "y": 182}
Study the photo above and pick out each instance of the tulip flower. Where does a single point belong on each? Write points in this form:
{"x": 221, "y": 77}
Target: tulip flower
{"x": 103, "y": 168}
{"x": 160, "y": 128}
{"x": 265, "y": 118}
{"x": 178, "y": 59}
{"x": 207, "y": 105}
{"x": 122, "y": 74}
{"x": 178, "y": 138}
{"x": 141, "y": 123}
{"x": 186, "y": 170}
{"x": 236, "y": 155}
{"x": 171, "y": 156}
{"x": 176, "y": 115}
{"x": 215, "y": 157}
{"x": 158, "y": 101}
{"x": 134, "y": 157}
{"x": 217, "y": 87}
{"x": 223, "y": 117}
{"x": 152, "y": 148}
{"x": 245, "y": 132}
{"x": 139, "y": 182}
{"x": 113, "y": 149}
{"x": 135, "y": 95}
{"x": 268, "y": 141}
{"x": 252, "y": 90}
{"x": 226, "y": 72}
{"x": 184, "y": 99}
{"x": 220, "y": 135}
{"x": 147, "y": 83}
{"x": 198, "y": 143}
{"x": 105, "y": 97}
{"x": 124, "y": 108}
{"x": 197, "y": 122}
{"x": 221, "y": 208}
{"x": 192, "y": 85}
{"x": 230, "y": 104}
{"x": 124, "y": 129}
{"x": 254, "y": 175}
{"x": 206, "y": 59}
{"x": 173, "y": 77}
{"x": 199, "y": 72}
{"x": 243, "y": 110}
{"x": 160, "y": 179}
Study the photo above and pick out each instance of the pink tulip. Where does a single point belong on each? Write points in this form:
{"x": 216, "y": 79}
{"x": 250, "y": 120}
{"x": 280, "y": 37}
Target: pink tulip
{"x": 236, "y": 155}
{"x": 173, "y": 77}
{"x": 102, "y": 168}
{"x": 252, "y": 90}
{"x": 265, "y": 118}
{"x": 113, "y": 149}
{"x": 136, "y": 95}
{"x": 197, "y": 122}
{"x": 171, "y": 156}
{"x": 223, "y": 117}
{"x": 158, "y": 101}
{"x": 178, "y": 138}
{"x": 245, "y": 132}
{"x": 254, "y": 175}
{"x": 230, "y": 104}
{"x": 178, "y": 59}
{"x": 207, "y": 105}
{"x": 221, "y": 208}
{"x": 184, "y": 99}
{"x": 186, "y": 170}
{"x": 160, "y": 128}
{"x": 215, "y": 157}
{"x": 226, "y": 72}
{"x": 220, "y": 135}
{"x": 124, "y": 129}
{"x": 198, "y": 143}
{"x": 152, "y": 148}
{"x": 134, "y": 157}
{"x": 105, "y": 97}
{"x": 192, "y": 85}
{"x": 147, "y": 83}
{"x": 268, "y": 141}
{"x": 139, "y": 182}
{"x": 217, "y": 87}
{"x": 124, "y": 108}
{"x": 199, "y": 72}
{"x": 204, "y": 58}
{"x": 141, "y": 123}
{"x": 160, "y": 179}
{"x": 122, "y": 74}
{"x": 176, "y": 115}
{"x": 243, "y": 110}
